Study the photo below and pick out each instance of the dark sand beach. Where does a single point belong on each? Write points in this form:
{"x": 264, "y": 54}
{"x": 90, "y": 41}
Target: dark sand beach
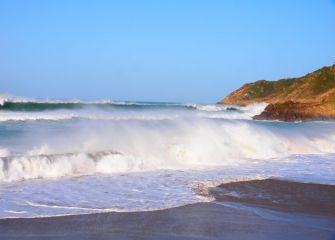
{"x": 220, "y": 219}
{"x": 279, "y": 195}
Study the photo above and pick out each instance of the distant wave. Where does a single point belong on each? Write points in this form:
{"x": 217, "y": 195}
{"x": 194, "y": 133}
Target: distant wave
{"x": 119, "y": 115}
{"x": 29, "y": 106}
{"x": 10, "y": 103}
{"x": 23, "y": 109}
{"x": 61, "y": 116}
{"x": 214, "y": 108}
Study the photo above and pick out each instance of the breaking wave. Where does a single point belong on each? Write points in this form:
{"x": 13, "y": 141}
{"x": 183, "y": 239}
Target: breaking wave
{"x": 67, "y": 115}
{"x": 150, "y": 146}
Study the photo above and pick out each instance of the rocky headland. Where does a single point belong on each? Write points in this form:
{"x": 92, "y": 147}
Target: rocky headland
{"x": 311, "y": 97}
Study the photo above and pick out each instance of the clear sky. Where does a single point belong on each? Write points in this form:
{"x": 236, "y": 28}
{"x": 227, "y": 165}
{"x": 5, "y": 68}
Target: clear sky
{"x": 163, "y": 50}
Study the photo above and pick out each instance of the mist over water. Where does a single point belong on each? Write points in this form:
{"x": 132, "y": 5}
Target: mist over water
{"x": 111, "y": 145}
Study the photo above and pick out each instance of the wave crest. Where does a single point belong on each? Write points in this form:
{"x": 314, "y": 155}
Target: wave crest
{"x": 151, "y": 146}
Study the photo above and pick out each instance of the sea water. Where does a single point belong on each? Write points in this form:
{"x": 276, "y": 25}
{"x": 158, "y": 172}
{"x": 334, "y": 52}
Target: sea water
{"x": 77, "y": 157}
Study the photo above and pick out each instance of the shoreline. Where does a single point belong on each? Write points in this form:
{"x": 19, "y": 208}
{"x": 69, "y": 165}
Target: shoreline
{"x": 195, "y": 221}
{"x": 212, "y": 220}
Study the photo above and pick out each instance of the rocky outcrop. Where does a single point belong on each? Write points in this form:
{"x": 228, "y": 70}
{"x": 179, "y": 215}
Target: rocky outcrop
{"x": 311, "y": 97}
{"x": 295, "y": 111}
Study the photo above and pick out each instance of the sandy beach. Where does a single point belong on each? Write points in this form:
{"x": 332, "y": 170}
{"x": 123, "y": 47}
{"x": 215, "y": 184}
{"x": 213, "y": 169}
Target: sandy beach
{"x": 219, "y": 219}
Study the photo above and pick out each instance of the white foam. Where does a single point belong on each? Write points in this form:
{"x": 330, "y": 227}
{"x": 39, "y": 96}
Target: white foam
{"x": 210, "y": 107}
{"x": 4, "y": 152}
{"x": 254, "y": 109}
{"x": 68, "y": 115}
{"x": 34, "y": 116}
{"x": 147, "y": 191}
{"x": 180, "y": 144}
{"x": 6, "y": 97}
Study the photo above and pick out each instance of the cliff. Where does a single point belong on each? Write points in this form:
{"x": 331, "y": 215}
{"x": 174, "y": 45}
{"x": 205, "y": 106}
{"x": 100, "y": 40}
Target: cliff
{"x": 304, "y": 98}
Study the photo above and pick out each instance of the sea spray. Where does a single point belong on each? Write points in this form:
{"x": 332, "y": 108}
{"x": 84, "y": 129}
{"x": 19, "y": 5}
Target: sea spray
{"x": 134, "y": 146}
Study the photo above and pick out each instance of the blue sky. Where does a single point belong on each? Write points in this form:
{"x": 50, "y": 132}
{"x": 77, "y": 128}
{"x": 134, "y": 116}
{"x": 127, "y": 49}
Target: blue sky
{"x": 172, "y": 50}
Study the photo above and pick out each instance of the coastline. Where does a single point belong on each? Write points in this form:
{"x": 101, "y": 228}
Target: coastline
{"x": 306, "y": 98}
{"x": 213, "y": 220}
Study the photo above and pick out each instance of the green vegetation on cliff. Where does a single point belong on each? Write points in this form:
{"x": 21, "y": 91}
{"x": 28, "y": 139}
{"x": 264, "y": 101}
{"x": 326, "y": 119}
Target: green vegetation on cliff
{"x": 315, "y": 86}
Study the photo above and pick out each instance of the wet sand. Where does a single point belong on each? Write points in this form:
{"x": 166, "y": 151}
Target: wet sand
{"x": 280, "y": 195}
{"x": 220, "y": 219}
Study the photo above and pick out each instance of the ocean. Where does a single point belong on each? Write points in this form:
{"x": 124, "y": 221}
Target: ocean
{"x": 73, "y": 157}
